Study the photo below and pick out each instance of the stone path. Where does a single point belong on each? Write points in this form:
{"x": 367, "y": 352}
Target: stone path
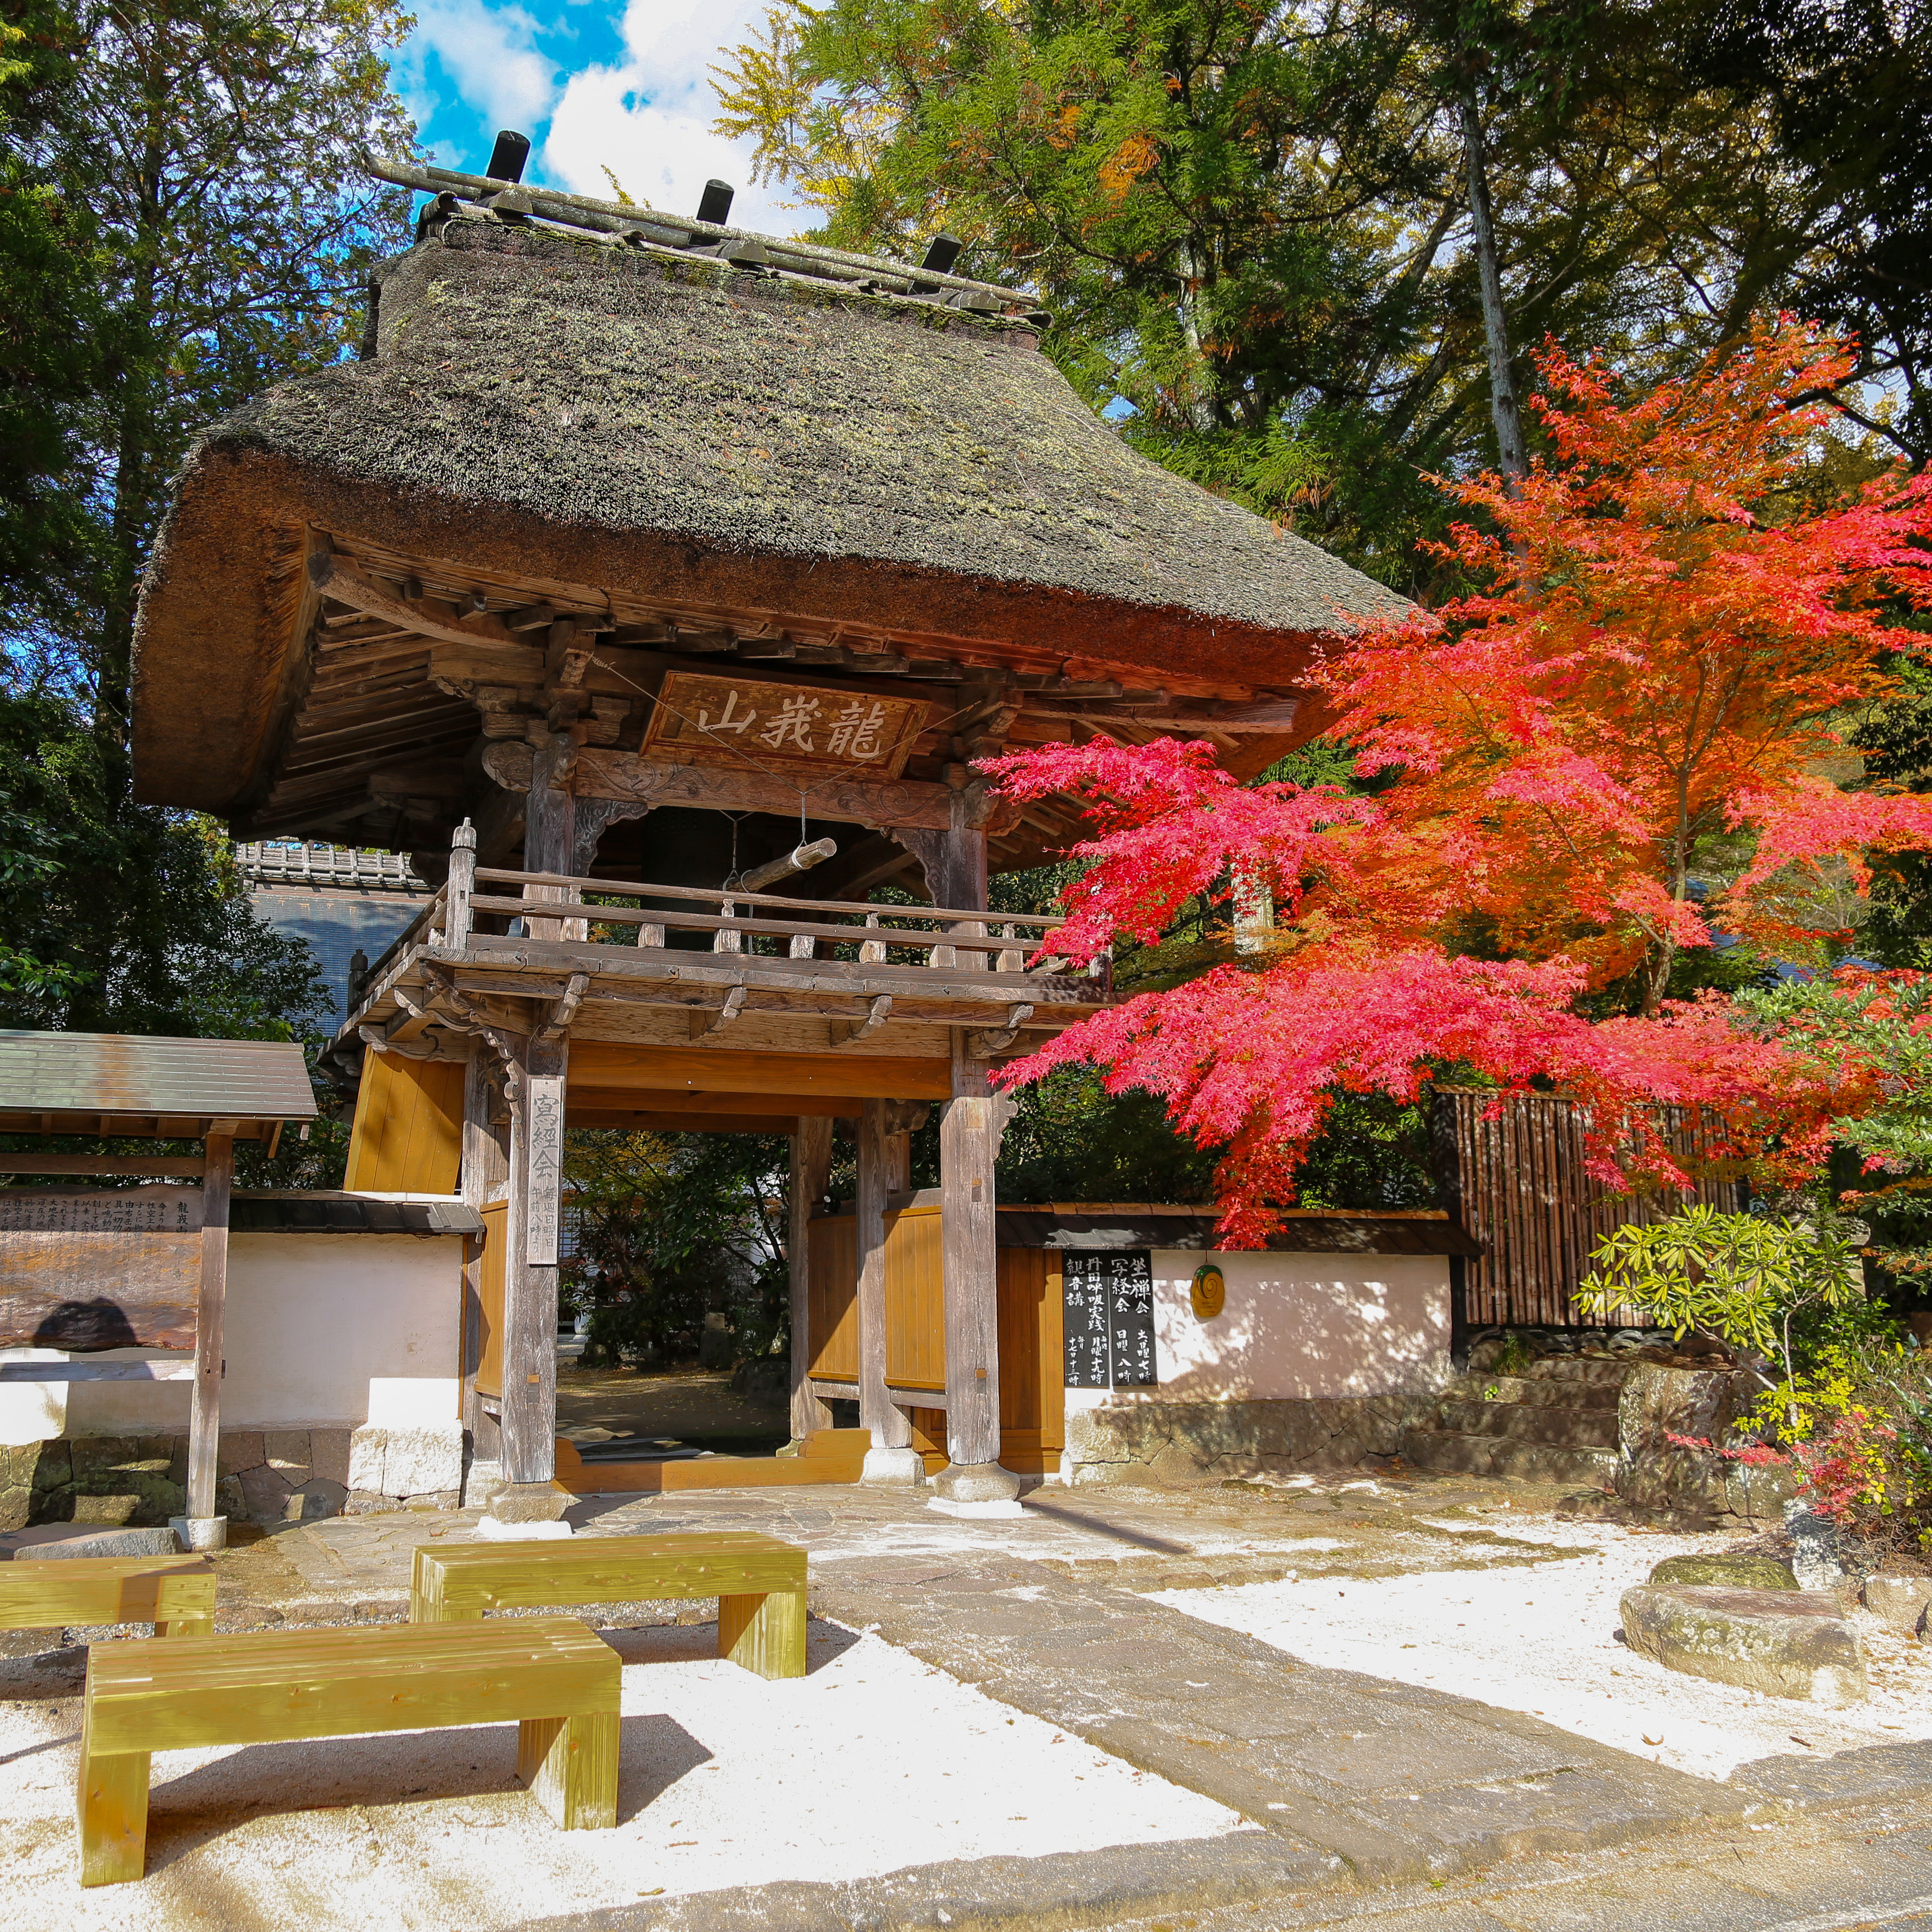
{"x": 1359, "y": 1785}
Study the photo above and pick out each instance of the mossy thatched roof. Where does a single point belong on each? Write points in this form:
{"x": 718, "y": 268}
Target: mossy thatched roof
{"x": 661, "y": 426}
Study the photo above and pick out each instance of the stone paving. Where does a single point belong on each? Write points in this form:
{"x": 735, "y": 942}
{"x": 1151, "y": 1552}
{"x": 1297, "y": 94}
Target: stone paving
{"x": 1360, "y": 1785}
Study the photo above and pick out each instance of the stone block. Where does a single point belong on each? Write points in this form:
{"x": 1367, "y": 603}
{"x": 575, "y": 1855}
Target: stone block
{"x": 1785, "y": 1644}
{"x": 528, "y": 1502}
{"x": 288, "y": 1450}
{"x": 158, "y": 1541}
{"x": 365, "y": 1502}
{"x": 170, "y": 1451}
{"x": 110, "y": 1512}
{"x": 229, "y": 1498}
{"x": 328, "y": 1456}
{"x": 16, "y": 1505}
{"x": 1903, "y": 1603}
{"x": 1657, "y": 1403}
{"x": 98, "y": 1459}
{"x": 1729, "y": 1572}
{"x": 239, "y": 1449}
{"x": 265, "y": 1494}
{"x": 423, "y": 1460}
{"x": 317, "y": 1498}
{"x": 52, "y": 1466}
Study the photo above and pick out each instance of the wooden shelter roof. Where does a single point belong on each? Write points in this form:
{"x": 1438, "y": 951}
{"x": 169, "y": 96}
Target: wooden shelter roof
{"x": 109, "y": 1083}
{"x": 725, "y": 448}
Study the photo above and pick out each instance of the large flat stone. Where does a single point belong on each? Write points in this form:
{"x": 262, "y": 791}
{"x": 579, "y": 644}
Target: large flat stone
{"x": 66, "y": 1539}
{"x": 1784, "y": 1643}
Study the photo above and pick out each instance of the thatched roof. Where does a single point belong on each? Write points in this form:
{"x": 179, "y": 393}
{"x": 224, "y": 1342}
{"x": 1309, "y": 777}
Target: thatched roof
{"x": 662, "y": 426}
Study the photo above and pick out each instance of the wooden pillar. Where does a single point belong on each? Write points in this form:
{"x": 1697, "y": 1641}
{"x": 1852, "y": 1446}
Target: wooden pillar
{"x": 811, "y": 1167}
{"x": 204, "y": 1529}
{"x": 529, "y": 1504}
{"x": 892, "y": 1458}
{"x": 485, "y": 1172}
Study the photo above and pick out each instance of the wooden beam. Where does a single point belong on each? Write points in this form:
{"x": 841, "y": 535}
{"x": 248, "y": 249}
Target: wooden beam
{"x": 607, "y": 1064}
{"x": 877, "y": 1014}
{"x": 205, "y": 1415}
{"x": 334, "y": 577}
{"x": 695, "y": 1108}
{"x": 600, "y": 773}
{"x": 714, "y": 1020}
{"x": 188, "y": 1168}
{"x": 182, "y": 1371}
{"x": 967, "y": 1146}
{"x": 642, "y": 1122}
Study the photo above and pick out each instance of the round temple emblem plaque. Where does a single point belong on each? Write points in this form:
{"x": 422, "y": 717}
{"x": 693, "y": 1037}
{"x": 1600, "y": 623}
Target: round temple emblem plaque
{"x": 1209, "y": 1291}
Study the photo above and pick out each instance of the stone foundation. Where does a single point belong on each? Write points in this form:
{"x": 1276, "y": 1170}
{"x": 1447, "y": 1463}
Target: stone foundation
{"x": 263, "y": 1476}
{"x": 1660, "y": 1482}
{"x": 1178, "y": 1443}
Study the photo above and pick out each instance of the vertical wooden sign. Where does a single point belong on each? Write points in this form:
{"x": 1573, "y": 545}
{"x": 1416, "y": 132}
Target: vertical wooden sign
{"x": 1107, "y": 1295}
{"x": 544, "y": 1187}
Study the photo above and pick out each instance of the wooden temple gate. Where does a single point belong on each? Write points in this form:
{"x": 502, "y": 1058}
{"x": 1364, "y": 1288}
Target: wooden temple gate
{"x": 640, "y": 566}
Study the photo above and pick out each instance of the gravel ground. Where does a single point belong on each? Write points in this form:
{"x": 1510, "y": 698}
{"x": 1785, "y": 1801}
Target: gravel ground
{"x": 1544, "y": 1641}
{"x": 871, "y": 1762}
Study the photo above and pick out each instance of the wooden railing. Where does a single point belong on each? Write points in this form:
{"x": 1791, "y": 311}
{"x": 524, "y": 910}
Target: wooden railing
{"x": 556, "y": 906}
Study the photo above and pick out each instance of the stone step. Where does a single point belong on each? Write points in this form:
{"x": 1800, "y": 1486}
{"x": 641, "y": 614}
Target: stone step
{"x": 1538, "y": 1391}
{"x": 1447, "y": 1453}
{"x": 1609, "y": 1371}
{"x": 1562, "y": 1428}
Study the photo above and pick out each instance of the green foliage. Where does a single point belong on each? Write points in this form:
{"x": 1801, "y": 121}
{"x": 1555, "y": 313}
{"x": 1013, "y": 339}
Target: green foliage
{"x": 1250, "y": 222}
{"x": 672, "y": 1227}
{"x": 1742, "y": 1278}
{"x": 186, "y": 172}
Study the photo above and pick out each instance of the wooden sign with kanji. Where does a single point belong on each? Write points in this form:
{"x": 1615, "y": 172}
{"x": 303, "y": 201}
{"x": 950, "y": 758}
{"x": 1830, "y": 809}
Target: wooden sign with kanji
{"x": 743, "y": 722}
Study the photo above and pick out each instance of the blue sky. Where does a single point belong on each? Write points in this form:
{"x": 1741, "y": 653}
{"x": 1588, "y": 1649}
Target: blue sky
{"x": 594, "y": 86}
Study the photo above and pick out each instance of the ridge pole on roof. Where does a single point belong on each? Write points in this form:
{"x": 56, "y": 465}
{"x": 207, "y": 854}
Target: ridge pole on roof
{"x": 509, "y": 157}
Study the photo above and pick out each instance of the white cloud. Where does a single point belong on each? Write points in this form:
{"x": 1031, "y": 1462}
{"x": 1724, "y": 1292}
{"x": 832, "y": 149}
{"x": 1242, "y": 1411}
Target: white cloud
{"x": 648, "y": 118}
{"x": 490, "y": 53}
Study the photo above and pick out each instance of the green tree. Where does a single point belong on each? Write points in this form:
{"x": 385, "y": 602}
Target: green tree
{"x": 214, "y": 146}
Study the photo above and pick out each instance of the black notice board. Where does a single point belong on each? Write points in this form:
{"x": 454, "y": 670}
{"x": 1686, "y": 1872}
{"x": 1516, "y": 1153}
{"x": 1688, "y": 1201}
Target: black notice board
{"x": 1107, "y": 1304}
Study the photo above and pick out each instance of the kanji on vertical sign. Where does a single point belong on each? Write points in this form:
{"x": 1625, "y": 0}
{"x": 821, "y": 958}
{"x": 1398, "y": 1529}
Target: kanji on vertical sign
{"x": 1107, "y": 1304}
{"x": 544, "y": 1116}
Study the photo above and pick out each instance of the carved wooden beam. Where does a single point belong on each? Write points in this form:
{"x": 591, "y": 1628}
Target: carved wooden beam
{"x": 876, "y": 1016}
{"x": 334, "y": 578}
{"x": 983, "y": 1044}
{"x": 600, "y": 774}
{"x": 704, "y": 1024}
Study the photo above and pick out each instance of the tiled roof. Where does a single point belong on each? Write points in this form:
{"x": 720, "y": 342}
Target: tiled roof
{"x": 288, "y": 1211}
{"x": 66, "y": 1081}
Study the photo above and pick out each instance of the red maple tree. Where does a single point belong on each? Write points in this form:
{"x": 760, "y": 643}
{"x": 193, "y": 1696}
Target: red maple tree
{"x": 1622, "y": 738}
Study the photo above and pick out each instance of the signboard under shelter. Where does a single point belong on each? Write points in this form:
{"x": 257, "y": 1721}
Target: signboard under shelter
{"x": 700, "y": 719}
{"x": 1107, "y": 1300}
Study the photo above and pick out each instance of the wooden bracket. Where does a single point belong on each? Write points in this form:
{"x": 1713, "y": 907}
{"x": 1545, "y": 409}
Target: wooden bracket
{"x": 704, "y": 1024}
{"x": 990, "y": 1040}
{"x": 876, "y": 1016}
{"x": 563, "y": 1010}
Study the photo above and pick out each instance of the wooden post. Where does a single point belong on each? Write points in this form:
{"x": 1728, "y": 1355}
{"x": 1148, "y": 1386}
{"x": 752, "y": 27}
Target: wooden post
{"x": 549, "y": 830}
{"x": 968, "y": 1144}
{"x": 529, "y": 1503}
{"x": 459, "y": 886}
{"x": 811, "y": 1167}
{"x": 892, "y": 1458}
{"x": 485, "y": 1173}
{"x": 205, "y": 1530}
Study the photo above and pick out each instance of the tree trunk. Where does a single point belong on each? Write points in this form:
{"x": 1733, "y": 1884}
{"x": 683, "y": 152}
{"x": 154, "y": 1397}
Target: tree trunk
{"x": 1511, "y": 457}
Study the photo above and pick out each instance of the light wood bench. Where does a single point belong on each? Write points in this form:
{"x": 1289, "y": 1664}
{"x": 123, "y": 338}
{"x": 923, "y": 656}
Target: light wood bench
{"x": 758, "y": 1581}
{"x": 557, "y": 1679}
{"x": 174, "y": 1594}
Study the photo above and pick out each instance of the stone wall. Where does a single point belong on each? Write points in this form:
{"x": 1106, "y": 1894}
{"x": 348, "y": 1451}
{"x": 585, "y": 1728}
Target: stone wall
{"x": 1183, "y": 1442}
{"x": 264, "y": 1476}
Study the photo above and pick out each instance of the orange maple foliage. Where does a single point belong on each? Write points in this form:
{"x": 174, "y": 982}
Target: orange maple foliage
{"x": 1623, "y": 737}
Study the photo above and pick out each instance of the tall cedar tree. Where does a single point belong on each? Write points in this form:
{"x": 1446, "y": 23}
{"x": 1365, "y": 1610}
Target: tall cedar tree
{"x": 1615, "y": 743}
{"x": 1253, "y": 222}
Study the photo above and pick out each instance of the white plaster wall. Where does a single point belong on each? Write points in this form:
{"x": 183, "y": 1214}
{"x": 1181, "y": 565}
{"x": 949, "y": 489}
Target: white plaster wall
{"x": 1294, "y": 1326}
{"x": 319, "y": 1331}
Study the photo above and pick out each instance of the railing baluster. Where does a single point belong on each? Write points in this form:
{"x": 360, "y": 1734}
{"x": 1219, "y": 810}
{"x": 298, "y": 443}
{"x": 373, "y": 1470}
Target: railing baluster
{"x": 650, "y": 935}
{"x": 872, "y": 951}
{"x": 461, "y": 885}
{"x": 726, "y": 940}
{"x": 1013, "y": 959}
{"x": 804, "y": 947}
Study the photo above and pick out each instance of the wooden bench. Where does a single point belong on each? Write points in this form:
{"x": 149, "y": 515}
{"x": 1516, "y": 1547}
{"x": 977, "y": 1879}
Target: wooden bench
{"x": 557, "y": 1679}
{"x": 758, "y": 1581}
{"x": 174, "y": 1594}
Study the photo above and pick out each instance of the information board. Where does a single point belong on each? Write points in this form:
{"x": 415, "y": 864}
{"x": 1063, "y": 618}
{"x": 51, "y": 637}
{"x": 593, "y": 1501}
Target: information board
{"x": 1107, "y": 1305}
